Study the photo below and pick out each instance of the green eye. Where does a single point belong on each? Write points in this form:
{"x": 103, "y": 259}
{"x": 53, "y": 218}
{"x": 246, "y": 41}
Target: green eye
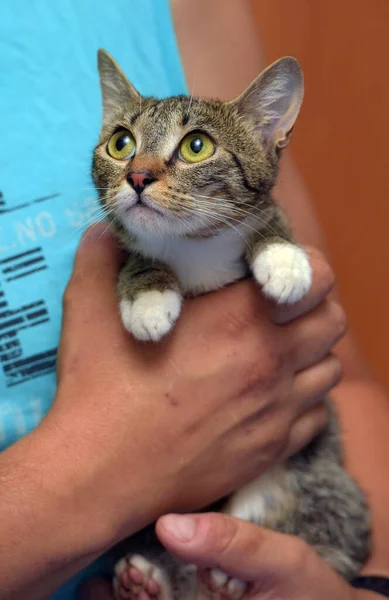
{"x": 121, "y": 145}
{"x": 196, "y": 147}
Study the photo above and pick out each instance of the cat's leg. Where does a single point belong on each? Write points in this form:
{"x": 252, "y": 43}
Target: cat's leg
{"x": 268, "y": 501}
{"x": 279, "y": 265}
{"x": 331, "y": 513}
{"x": 150, "y": 298}
{"x": 136, "y": 578}
{"x": 312, "y": 497}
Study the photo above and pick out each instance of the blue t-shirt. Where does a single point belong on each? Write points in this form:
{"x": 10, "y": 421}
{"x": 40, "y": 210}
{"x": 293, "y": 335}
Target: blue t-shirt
{"x": 50, "y": 116}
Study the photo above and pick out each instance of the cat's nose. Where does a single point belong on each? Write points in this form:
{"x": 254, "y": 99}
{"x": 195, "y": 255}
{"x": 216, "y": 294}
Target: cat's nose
{"x": 140, "y": 179}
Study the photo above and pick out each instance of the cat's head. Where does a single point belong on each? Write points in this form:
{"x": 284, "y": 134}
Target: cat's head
{"x": 185, "y": 166}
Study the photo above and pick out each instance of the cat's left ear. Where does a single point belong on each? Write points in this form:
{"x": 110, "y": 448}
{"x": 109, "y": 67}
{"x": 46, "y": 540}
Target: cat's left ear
{"x": 116, "y": 89}
{"x": 272, "y": 102}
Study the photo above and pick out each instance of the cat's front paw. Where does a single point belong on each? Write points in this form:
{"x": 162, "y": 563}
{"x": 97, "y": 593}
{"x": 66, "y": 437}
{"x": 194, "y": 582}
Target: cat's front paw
{"x": 217, "y": 585}
{"x": 152, "y": 314}
{"x": 283, "y": 271}
{"x": 136, "y": 578}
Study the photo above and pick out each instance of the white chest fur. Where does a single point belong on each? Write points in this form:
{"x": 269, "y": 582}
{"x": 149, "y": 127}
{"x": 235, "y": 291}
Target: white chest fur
{"x": 201, "y": 265}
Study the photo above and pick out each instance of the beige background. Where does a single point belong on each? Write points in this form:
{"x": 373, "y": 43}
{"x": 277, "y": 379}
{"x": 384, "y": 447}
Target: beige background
{"x": 341, "y": 143}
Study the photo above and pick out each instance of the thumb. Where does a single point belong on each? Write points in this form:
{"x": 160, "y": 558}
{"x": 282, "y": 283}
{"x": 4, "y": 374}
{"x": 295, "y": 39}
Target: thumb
{"x": 98, "y": 254}
{"x": 90, "y": 296}
{"x": 243, "y": 550}
{"x": 96, "y": 589}
{"x": 275, "y": 564}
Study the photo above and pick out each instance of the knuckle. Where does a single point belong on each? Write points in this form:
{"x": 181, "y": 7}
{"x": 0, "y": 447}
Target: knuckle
{"x": 323, "y": 271}
{"x": 339, "y": 318}
{"x": 336, "y": 370}
{"x": 71, "y": 292}
{"x": 319, "y": 417}
{"x": 327, "y": 276}
{"x": 271, "y": 368}
{"x": 221, "y": 532}
{"x": 239, "y": 311}
{"x": 265, "y": 372}
{"x": 297, "y": 554}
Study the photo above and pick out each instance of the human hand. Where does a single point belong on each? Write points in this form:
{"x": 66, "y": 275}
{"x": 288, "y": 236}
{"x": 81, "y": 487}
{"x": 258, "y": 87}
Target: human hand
{"x": 274, "y": 565}
{"x": 175, "y": 425}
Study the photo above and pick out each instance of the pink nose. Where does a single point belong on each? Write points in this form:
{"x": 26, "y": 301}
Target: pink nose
{"x": 139, "y": 180}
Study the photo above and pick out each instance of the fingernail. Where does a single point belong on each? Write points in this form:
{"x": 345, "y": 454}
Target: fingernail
{"x": 181, "y": 527}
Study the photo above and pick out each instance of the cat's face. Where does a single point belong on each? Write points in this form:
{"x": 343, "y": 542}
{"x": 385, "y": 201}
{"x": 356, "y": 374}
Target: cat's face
{"x": 190, "y": 167}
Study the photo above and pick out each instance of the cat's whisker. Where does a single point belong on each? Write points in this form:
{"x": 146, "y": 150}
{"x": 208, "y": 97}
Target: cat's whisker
{"x": 248, "y": 214}
{"x": 238, "y": 209}
{"x": 91, "y": 221}
{"x": 191, "y": 96}
{"x": 229, "y": 203}
{"x": 106, "y": 229}
{"x": 209, "y": 210}
{"x": 211, "y": 215}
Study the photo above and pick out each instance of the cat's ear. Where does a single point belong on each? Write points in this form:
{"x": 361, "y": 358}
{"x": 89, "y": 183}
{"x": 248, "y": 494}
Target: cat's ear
{"x": 116, "y": 90}
{"x": 272, "y": 102}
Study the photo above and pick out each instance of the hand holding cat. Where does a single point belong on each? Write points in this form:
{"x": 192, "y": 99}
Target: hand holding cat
{"x": 273, "y": 564}
{"x": 217, "y": 402}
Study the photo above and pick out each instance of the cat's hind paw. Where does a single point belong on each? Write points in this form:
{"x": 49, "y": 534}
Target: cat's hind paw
{"x": 217, "y": 585}
{"x": 138, "y": 579}
{"x": 152, "y": 314}
{"x": 283, "y": 271}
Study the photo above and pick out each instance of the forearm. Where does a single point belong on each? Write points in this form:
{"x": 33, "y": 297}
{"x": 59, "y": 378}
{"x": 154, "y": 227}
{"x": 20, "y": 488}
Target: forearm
{"x": 45, "y": 535}
{"x": 364, "y": 412}
{"x": 362, "y": 404}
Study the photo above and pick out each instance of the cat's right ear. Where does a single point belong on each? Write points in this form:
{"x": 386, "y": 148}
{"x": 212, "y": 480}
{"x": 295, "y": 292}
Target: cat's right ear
{"x": 116, "y": 90}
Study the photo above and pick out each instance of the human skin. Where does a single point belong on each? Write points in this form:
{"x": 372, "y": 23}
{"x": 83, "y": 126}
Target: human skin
{"x": 275, "y": 566}
{"x": 362, "y": 404}
{"x": 230, "y": 389}
{"x": 222, "y": 54}
{"x": 68, "y": 554}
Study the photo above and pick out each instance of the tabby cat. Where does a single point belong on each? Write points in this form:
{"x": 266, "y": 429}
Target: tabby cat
{"x": 187, "y": 185}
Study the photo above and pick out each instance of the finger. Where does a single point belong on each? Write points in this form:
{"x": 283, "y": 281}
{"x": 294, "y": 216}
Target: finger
{"x": 90, "y": 303}
{"x": 314, "y": 383}
{"x": 241, "y": 549}
{"x": 312, "y": 337}
{"x": 305, "y": 429}
{"x": 96, "y": 589}
{"x": 277, "y": 565}
{"x": 322, "y": 283}
{"x": 98, "y": 252}
{"x": 91, "y": 292}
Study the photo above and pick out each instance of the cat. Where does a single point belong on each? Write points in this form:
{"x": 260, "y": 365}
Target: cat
{"x": 187, "y": 186}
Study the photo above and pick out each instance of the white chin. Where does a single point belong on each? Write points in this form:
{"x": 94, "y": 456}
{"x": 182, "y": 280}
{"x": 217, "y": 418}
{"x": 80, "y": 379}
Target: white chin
{"x": 144, "y": 220}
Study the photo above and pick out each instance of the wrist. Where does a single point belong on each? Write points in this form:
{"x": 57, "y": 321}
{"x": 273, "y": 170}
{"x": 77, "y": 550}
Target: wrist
{"x": 100, "y": 502}
{"x": 39, "y": 531}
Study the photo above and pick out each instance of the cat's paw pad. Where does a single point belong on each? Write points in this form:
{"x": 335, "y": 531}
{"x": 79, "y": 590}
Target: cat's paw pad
{"x": 138, "y": 579}
{"x": 219, "y": 585}
{"x": 284, "y": 272}
{"x": 151, "y": 315}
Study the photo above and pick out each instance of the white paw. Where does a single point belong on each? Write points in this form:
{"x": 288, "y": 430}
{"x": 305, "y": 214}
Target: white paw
{"x": 151, "y": 315}
{"x": 284, "y": 272}
{"x": 135, "y": 577}
{"x": 220, "y": 585}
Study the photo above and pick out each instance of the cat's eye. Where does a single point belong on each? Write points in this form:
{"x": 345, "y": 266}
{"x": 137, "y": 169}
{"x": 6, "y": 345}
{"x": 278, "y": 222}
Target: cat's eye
{"x": 121, "y": 145}
{"x": 196, "y": 147}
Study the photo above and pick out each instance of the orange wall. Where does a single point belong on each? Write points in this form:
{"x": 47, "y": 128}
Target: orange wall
{"x": 341, "y": 143}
